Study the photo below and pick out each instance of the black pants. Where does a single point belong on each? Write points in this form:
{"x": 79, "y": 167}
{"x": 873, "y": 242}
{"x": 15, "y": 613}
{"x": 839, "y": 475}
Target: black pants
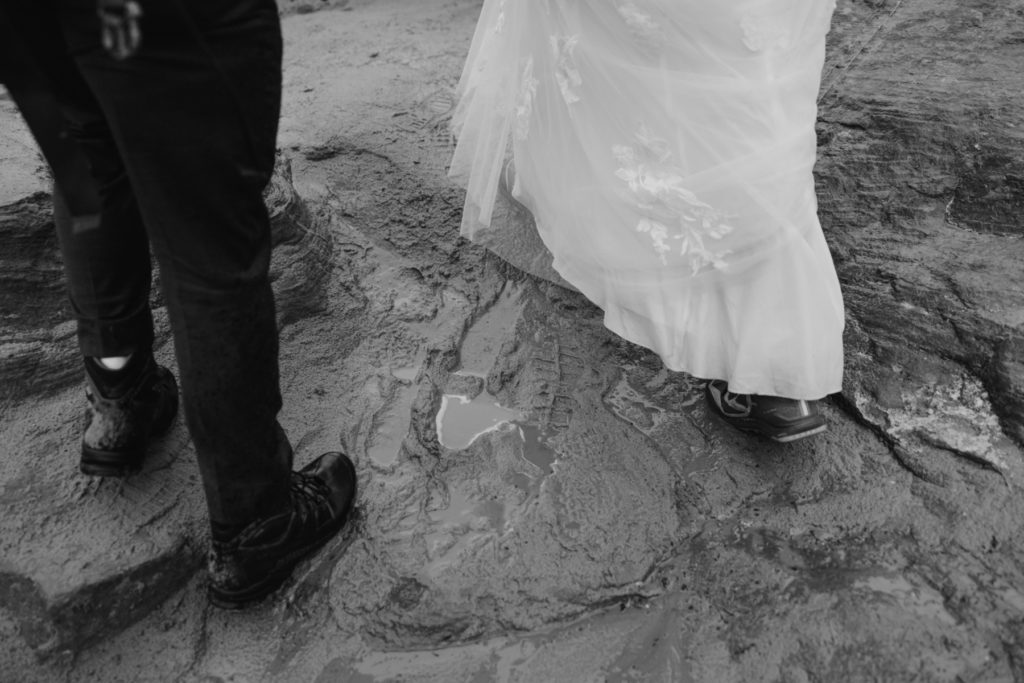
{"x": 181, "y": 141}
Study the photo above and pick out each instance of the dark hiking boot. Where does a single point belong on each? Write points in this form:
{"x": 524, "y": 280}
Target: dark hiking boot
{"x": 780, "y": 419}
{"x": 257, "y": 561}
{"x": 126, "y": 408}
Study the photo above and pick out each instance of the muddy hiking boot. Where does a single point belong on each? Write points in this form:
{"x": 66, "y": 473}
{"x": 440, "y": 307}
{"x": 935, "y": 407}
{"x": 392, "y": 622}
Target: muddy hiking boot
{"x": 127, "y": 407}
{"x": 779, "y": 419}
{"x": 255, "y": 563}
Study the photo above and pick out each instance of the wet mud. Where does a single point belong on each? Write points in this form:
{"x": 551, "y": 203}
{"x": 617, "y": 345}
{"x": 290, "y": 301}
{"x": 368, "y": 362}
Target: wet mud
{"x": 540, "y": 500}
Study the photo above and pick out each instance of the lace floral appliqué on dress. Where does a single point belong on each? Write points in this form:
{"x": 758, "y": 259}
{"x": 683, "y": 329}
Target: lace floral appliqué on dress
{"x": 566, "y": 74}
{"x": 764, "y": 33}
{"x": 674, "y": 218}
{"x": 695, "y": 233}
{"x": 524, "y": 107}
{"x": 641, "y": 24}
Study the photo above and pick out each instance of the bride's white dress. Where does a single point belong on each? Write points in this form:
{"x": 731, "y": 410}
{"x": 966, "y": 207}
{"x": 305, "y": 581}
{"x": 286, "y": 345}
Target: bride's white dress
{"x": 665, "y": 150}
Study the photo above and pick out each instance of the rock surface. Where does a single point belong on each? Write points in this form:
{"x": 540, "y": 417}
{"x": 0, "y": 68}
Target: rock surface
{"x": 601, "y": 525}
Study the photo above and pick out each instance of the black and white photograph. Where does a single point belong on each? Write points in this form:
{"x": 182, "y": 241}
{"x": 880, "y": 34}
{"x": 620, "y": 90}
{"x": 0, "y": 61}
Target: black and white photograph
{"x": 512, "y": 341}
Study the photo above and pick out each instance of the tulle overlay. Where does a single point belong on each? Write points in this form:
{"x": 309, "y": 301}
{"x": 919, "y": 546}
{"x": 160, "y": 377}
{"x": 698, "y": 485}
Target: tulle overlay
{"x": 665, "y": 149}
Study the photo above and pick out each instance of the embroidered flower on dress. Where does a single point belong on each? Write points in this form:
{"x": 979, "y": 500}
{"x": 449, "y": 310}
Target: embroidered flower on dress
{"x": 524, "y": 107}
{"x": 762, "y": 33}
{"x": 486, "y": 48}
{"x": 641, "y": 24}
{"x": 674, "y": 217}
{"x": 566, "y": 74}
{"x": 499, "y": 23}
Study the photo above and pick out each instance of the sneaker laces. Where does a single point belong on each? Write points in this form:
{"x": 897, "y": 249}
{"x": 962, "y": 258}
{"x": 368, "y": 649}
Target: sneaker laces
{"x": 735, "y": 405}
{"x": 739, "y": 402}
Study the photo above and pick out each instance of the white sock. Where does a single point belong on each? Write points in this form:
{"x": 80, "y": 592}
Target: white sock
{"x": 114, "y": 362}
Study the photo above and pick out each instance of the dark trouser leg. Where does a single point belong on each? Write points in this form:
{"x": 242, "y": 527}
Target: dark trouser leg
{"x": 107, "y": 267}
{"x": 194, "y": 115}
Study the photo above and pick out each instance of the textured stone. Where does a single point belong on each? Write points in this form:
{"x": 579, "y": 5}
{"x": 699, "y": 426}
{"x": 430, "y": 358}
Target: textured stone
{"x": 617, "y": 529}
{"x": 921, "y": 152}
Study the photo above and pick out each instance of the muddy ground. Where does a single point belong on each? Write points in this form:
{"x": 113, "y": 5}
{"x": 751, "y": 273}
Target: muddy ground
{"x": 542, "y": 501}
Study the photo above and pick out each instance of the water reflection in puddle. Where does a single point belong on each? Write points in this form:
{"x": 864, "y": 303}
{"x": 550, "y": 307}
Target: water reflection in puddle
{"x": 466, "y": 524}
{"x": 536, "y": 449}
{"x": 407, "y": 374}
{"x": 384, "y": 442}
{"x": 464, "y": 510}
{"x": 467, "y": 521}
{"x": 482, "y": 343}
{"x": 462, "y": 420}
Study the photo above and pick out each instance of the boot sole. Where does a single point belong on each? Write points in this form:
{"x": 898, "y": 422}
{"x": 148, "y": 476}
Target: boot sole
{"x": 273, "y": 582}
{"x": 236, "y": 600}
{"x": 116, "y": 464}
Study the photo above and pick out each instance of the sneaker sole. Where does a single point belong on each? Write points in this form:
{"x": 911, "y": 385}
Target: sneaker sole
{"x": 789, "y": 438}
{"x": 775, "y": 434}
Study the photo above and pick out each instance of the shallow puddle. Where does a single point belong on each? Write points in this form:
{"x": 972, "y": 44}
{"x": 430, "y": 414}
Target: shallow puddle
{"x": 536, "y": 449}
{"x": 461, "y": 420}
{"x": 407, "y": 374}
{"x": 466, "y": 525}
{"x": 464, "y": 510}
{"x": 483, "y": 340}
{"x": 385, "y": 443}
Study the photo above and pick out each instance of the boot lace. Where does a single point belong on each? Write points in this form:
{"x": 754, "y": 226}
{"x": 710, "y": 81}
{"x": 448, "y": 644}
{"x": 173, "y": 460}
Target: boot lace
{"x": 311, "y": 499}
